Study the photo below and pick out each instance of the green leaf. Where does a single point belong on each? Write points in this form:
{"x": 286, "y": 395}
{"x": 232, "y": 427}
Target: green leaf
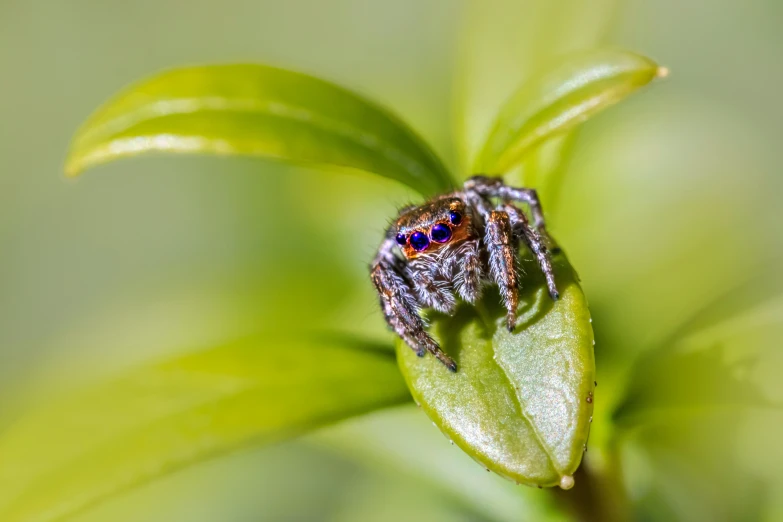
{"x": 259, "y": 111}
{"x": 558, "y": 100}
{"x": 503, "y": 43}
{"x": 402, "y": 440}
{"x": 664, "y": 386}
{"x": 71, "y": 453}
{"x": 706, "y": 366}
{"x": 544, "y": 169}
{"x": 689, "y": 408}
{"x": 520, "y": 403}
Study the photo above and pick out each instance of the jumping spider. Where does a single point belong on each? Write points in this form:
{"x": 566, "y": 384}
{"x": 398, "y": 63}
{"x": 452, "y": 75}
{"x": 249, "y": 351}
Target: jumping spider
{"x": 457, "y": 243}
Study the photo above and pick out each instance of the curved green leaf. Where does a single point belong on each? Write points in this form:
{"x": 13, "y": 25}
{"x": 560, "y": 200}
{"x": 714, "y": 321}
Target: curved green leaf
{"x": 560, "y": 99}
{"x": 503, "y": 43}
{"x": 703, "y": 369}
{"x": 706, "y": 402}
{"x": 67, "y": 455}
{"x": 520, "y": 403}
{"x": 259, "y": 111}
{"x": 544, "y": 169}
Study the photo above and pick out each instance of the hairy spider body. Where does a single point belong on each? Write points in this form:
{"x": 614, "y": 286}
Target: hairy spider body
{"x": 452, "y": 246}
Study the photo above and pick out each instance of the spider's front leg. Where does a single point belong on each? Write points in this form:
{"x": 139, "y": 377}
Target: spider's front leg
{"x": 399, "y": 305}
{"x": 536, "y": 245}
{"x": 501, "y": 247}
{"x": 495, "y": 188}
{"x": 486, "y": 187}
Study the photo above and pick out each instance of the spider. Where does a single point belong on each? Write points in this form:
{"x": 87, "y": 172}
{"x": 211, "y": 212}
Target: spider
{"x": 457, "y": 243}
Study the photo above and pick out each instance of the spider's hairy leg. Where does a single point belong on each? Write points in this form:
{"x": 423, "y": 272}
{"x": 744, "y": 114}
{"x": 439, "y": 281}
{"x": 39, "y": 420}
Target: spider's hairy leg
{"x": 536, "y": 245}
{"x": 402, "y": 316}
{"x": 468, "y": 284}
{"x": 399, "y": 305}
{"x": 495, "y": 188}
{"x": 499, "y": 238}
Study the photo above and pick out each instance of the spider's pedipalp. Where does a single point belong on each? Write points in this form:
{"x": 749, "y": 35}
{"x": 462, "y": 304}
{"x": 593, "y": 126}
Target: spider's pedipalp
{"x": 432, "y": 292}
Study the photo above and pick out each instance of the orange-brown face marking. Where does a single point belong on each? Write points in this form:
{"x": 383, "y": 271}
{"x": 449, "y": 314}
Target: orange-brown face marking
{"x": 432, "y": 226}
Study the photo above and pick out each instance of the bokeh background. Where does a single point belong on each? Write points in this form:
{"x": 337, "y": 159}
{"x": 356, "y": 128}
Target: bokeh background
{"x": 672, "y": 200}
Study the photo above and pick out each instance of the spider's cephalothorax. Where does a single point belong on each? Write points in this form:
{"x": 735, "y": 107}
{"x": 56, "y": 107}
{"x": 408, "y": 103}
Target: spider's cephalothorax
{"x": 455, "y": 244}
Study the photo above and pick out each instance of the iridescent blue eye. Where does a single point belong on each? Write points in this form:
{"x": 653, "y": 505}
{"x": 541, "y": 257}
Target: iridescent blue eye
{"x": 401, "y": 239}
{"x": 455, "y": 217}
{"x": 419, "y": 241}
{"x": 440, "y": 233}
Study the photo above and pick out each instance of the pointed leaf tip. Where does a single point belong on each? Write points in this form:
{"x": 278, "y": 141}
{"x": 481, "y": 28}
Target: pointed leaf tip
{"x": 560, "y": 99}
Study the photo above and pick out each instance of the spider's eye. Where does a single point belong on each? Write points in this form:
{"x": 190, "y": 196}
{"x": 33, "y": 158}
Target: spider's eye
{"x": 440, "y": 233}
{"x": 419, "y": 241}
{"x": 401, "y": 239}
{"x": 455, "y": 217}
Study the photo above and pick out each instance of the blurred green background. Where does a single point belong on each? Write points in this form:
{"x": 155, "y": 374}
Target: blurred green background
{"x": 672, "y": 200}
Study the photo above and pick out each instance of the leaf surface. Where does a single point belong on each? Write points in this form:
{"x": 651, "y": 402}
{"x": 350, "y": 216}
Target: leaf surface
{"x": 256, "y": 110}
{"x": 520, "y": 403}
{"x": 70, "y": 453}
{"x": 556, "y": 101}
